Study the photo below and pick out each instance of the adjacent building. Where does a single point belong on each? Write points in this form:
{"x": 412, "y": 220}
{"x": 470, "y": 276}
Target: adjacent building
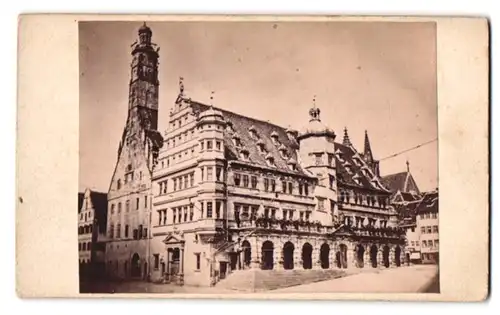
{"x": 403, "y": 186}
{"x": 92, "y": 222}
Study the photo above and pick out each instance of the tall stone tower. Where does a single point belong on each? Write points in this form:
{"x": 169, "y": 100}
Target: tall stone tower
{"x": 129, "y": 195}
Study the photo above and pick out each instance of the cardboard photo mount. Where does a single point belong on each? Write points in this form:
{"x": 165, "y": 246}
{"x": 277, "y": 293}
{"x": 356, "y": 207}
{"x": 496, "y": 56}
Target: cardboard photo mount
{"x": 48, "y": 138}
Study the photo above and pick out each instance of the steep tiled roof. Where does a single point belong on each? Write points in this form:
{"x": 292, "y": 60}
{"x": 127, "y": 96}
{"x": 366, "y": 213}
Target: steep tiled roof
{"x": 242, "y": 125}
{"x": 409, "y": 197}
{"x": 80, "y": 201}
{"x": 100, "y": 203}
{"x": 395, "y": 182}
{"x": 430, "y": 203}
{"x": 403, "y": 182}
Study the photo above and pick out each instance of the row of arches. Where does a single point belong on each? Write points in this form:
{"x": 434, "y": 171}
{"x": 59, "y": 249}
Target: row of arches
{"x": 374, "y": 257}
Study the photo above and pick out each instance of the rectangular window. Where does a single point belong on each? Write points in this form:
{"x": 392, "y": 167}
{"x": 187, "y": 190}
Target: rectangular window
{"x": 424, "y": 243}
{"x": 137, "y": 204}
{"x": 306, "y": 189}
{"x": 209, "y": 145}
{"x": 429, "y": 242}
{"x": 185, "y": 214}
{"x": 174, "y": 215}
{"x": 202, "y": 146}
{"x": 135, "y": 234}
{"x": 330, "y": 159}
{"x": 254, "y": 212}
{"x": 164, "y": 217}
{"x": 254, "y": 182}
{"x": 127, "y": 206}
{"x": 191, "y": 179}
{"x": 145, "y": 234}
{"x": 302, "y": 215}
{"x": 156, "y": 261}
{"x": 202, "y": 174}
{"x": 180, "y": 183}
{"x": 145, "y": 202}
{"x": 332, "y": 181}
{"x": 217, "y": 209}
{"x": 300, "y": 189}
{"x": 321, "y": 204}
{"x": 417, "y": 243}
{"x": 266, "y": 184}
{"x": 422, "y": 229}
{"x": 111, "y": 231}
{"x": 435, "y": 229}
{"x": 175, "y": 184}
{"x": 202, "y": 207}
{"x": 273, "y": 185}
{"x": 218, "y": 171}
{"x": 191, "y": 212}
{"x": 436, "y": 243}
{"x": 308, "y": 214}
{"x": 285, "y": 214}
{"x": 273, "y": 213}
{"x": 198, "y": 261}
{"x": 217, "y": 145}
{"x": 412, "y": 243}
{"x": 237, "y": 179}
{"x": 126, "y": 230}
{"x": 429, "y": 230}
{"x": 266, "y": 212}
{"x": 317, "y": 159}
{"x": 284, "y": 187}
{"x": 245, "y": 181}
{"x": 290, "y": 188}
{"x": 140, "y": 231}
{"x": 209, "y": 209}
{"x": 210, "y": 171}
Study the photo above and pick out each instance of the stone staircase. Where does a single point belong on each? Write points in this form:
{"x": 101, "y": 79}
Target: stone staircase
{"x": 256, "y": 280}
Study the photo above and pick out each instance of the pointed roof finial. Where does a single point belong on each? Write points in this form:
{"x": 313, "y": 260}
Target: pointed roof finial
{"x": 212, "y": 98}
{"x": 181, "y": 85}
{"x": 407, "y": 166}
{"x": 367, "y": 152}
{"x": 346, "y": 141}
{"x": 314, "y": 111}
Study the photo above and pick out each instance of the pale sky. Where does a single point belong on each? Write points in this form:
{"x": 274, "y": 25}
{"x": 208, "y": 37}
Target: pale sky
{"x": 373, "y": 76}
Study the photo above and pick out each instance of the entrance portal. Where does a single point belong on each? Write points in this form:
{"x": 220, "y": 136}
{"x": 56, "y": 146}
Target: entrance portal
{"x": 307, "y": 256}
{"x": 324, "y": 256}
{"x": 267, "y": 255}
{"x": 397, "y": 258}
{"x": 360, "y": 253}
{"x": 373, "y": 255}
{"x": 247, "y": 254}
{"x": 385, "y": 256}
{"x": 288, "y": 250}
{"x": 135, "y": 266}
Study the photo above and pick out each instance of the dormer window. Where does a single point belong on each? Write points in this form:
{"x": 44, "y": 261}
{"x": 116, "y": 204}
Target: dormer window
{"x": 236, "y": 140}
{"x": 274, "y": 138}
{"x": 270, "y": 159}
{"x": 291, "y": 134}
{"x": 229, "y": 126}
{"x": 253, "y": 132}
{"x": 261, "y": 146}
{"x": 244, "y": 154}
{"x": 356, "y": 178}
{"x": 292, "y": 164}
{"x": 357, "y": 161}
{"x": 339, "y": 155}
{"x": 283, "y": 151}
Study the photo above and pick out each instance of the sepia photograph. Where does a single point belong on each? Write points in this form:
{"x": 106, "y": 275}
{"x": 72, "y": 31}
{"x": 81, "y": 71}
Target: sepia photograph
{"x": 258, "y": 156}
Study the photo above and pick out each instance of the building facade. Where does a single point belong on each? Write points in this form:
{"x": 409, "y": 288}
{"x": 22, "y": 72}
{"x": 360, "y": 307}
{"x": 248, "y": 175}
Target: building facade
{"x": 233, "y": 192}
{"x": 420, "y": 220}
{"x": 403, "y": 186}
{"x": 220, "y": 192}
{"x": 92, "y": 221}
{"x": 129, "y": 195}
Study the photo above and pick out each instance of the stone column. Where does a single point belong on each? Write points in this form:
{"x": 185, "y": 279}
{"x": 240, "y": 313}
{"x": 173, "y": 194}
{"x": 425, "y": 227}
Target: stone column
{"x": 315, "y": 255}
{"x": 392, "y": 257}
{"x": 255, "y": 261}
{"x": 380, "y": 259}
{"x": 278, "y": 256}
{"x": 181, "y": 265}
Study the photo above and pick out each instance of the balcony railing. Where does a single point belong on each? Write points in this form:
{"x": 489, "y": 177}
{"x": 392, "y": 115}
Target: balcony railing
{"x": 286, "y": 225}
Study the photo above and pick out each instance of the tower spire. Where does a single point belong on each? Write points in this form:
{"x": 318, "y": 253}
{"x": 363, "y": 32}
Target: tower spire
{"x": 212, "y": 98}
{"x": 346, "y": 141}
{"x": 407, "y": 166}
{"x": 368, "y": 150}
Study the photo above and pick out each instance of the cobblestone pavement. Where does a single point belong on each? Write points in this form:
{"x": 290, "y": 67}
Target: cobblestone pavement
{"x": 411, "y": 279}
{"x": 417, "y": 278}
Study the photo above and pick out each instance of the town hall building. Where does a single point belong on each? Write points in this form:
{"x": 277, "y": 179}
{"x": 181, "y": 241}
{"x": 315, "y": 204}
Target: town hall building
{"x": 220, "y": 192}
